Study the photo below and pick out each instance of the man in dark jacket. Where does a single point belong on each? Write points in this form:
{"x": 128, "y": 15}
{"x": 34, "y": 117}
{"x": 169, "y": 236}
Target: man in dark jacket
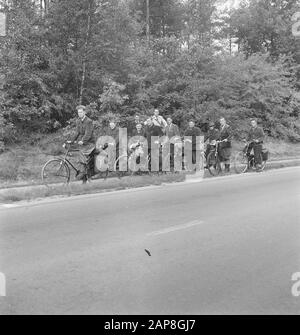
{"x": 225, "y": 145}
{"x": 84, "y": 134}
{"x": 152, "y": 130}
{"x": 256, "y": 138}
{"x": 84, "y": 137}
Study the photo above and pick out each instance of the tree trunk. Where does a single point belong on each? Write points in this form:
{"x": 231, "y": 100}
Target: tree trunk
{"x": 84, "y": 63}
{"x": 148, "y": 22}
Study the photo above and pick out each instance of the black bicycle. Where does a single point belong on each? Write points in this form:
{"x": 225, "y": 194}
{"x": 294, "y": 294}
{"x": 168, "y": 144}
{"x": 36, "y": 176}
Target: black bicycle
{"x": 245, "y": 161}
{"x": 213, "y": 160}
{"x": 58, "y": 170}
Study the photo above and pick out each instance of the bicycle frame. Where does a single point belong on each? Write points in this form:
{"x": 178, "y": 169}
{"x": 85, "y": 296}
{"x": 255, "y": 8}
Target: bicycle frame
{"x": 246, "y": 151}
{"x": 66, "y": 160}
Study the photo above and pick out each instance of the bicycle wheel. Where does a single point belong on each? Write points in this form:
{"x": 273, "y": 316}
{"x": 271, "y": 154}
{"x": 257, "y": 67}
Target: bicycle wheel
{"x": 263, "y": 163}
{"x": 240, "y": 163}
{"x": 56, "y": 171}
{"x": 213, "y": 164}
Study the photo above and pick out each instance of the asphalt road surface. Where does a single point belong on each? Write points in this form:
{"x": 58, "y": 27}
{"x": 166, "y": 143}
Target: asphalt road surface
{"x": 221, "y": 246}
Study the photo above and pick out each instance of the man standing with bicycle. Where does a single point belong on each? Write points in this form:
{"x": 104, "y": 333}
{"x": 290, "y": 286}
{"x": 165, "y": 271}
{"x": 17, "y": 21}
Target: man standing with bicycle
{"x": 256, "y": 138}
{"x": 84, "y": 137}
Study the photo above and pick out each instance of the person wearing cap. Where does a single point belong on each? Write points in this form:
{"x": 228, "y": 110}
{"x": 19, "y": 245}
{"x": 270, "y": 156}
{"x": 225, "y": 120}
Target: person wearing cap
{"x": 84, "y": 137}
{"x": 211, "y": 136}
{"x": 256, "y": 137}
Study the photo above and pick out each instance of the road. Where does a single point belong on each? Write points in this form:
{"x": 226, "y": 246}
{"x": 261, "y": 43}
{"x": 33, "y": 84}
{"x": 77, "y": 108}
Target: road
{"x": 221, "y": 246}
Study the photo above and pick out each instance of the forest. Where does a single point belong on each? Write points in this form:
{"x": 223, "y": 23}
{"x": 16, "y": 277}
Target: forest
{"x": 189, "y": 58}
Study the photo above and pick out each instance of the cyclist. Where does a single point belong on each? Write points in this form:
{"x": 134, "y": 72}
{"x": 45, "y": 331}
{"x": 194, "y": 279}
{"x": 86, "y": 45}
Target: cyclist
{"x": 84, "y": 137}
{"x": 225, "y": 143}
{"x": 255, "y": 138}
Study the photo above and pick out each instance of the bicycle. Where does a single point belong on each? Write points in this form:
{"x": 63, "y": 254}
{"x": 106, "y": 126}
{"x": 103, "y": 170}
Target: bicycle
{"x": 213, "y": 161}
{"x": 244, "y": 162}
{"x": 58, "y": 170}
{"x": 133, "y": 157}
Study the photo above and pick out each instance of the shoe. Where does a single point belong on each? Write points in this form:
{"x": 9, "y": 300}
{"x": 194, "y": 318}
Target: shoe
{"x": 80, "y": 175}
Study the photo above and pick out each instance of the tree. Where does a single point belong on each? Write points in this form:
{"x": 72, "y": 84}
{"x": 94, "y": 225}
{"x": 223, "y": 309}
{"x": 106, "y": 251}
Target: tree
{"x": 199, "y": 21}
{"x": 265, "y": 26}
{"x": 165, "y": 16}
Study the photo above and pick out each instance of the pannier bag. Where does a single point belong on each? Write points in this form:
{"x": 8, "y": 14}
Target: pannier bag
{"x": 265, "y": 154}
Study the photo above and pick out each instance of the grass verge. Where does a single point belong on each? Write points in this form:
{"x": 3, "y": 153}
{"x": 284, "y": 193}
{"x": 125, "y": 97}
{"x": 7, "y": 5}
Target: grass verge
{"x": 36, "y": 192}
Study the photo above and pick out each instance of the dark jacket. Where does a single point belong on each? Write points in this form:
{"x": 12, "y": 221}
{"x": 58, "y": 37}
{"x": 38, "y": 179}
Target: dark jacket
{"x": 193, "y": 132}
{"x": 84, "y": 131}
{"x": 153, "y": 131}
{"x": 225, "y": 133}
{"x": 172, "y": 130}
{"x": 256, "y": 134}
{"x": 212, "y": 135}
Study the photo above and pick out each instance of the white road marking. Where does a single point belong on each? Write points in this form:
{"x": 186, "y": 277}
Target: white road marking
{"x": 176, "y": 228}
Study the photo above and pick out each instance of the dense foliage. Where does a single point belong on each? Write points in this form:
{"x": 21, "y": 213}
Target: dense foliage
{"x": 58, "y": 53}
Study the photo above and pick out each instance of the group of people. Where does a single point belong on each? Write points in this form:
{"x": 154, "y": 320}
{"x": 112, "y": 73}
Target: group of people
{"x": 157, "y": 126}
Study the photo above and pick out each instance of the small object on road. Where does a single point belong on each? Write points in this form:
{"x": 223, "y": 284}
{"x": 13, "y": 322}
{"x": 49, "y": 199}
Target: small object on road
{"x": 148, "y": 252}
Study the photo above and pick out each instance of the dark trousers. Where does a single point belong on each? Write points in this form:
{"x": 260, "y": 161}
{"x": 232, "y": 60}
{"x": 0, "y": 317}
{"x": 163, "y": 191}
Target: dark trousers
{"x": 257, "y": 148}
{"x": 84, "y": 155}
